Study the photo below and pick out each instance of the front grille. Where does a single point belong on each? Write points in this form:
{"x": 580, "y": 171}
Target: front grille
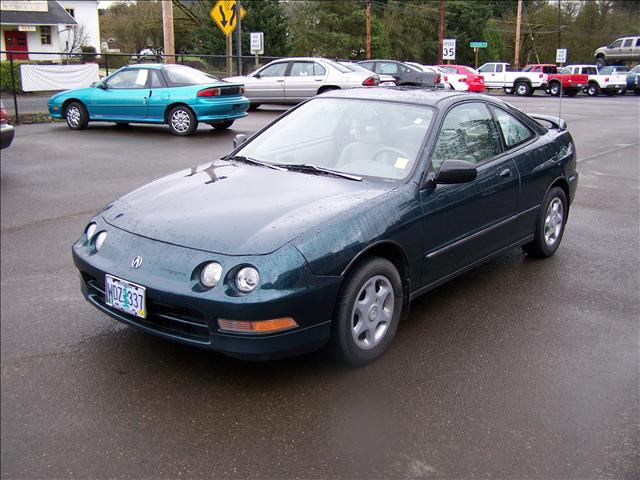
{"x": 186, "y": 323}
{"x": 230, "y": 91}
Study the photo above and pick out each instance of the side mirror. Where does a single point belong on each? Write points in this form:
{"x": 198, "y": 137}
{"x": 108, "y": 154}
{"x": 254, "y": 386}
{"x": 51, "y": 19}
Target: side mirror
{"x": 101, "y": 85}
{"x": 239, "y": 139}
{"x": 256, "y": 75}
{"x": 455, "y": 171}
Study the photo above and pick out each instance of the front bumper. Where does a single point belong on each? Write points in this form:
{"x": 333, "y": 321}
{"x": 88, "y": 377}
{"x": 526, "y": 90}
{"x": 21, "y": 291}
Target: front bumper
{"x": 177, "y": 310}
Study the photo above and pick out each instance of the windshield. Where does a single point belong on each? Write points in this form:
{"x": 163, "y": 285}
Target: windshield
{"x": 470, "y": 70}
{"x": 182, "y": 76}
{"x": 367, "y": 138}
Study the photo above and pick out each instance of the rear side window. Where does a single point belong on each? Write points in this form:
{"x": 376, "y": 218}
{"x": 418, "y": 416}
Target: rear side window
{"x": 499, "y": 68}
{"x": 514, "y": 131}
{"x": 628, "y": 42}
{"x": 388, "y": 68}
{"x": 154, "y": 79}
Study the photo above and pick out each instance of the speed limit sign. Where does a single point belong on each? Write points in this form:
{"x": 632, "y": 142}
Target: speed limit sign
{"x": 449, "y": 49}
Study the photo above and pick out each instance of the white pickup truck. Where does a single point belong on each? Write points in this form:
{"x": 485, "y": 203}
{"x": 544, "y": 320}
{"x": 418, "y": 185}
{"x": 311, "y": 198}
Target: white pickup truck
{"x": 499, "y": 75}
{"x": 609, "y": 84}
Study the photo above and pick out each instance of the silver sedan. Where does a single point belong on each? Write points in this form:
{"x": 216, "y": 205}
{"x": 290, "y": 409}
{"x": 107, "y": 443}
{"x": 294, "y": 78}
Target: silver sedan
{"x": 293, "y": 80}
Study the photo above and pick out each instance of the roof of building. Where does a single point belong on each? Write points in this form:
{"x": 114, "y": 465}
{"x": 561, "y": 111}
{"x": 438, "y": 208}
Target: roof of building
{"x": 55, "y": 15}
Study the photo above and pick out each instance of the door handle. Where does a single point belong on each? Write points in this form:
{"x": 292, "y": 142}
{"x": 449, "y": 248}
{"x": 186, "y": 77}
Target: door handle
{"x": 280, "y": 81}
{"x": 144, "y": 100}
{"x": 506, "y": 173}
{"x": 318, "y": 79}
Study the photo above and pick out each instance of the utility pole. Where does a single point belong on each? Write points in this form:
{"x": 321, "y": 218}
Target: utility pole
{"x": 559, "y": 29}
{"x": 440, "y": 31}
{"x": 239, "y": 37}
{"x": 516, "y": 60}
{"x": 167, "y": 31}
{"x": 368, "y": 29}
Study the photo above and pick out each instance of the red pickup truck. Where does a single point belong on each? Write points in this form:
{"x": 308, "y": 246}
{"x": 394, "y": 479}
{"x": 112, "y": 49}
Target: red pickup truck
{"x": 569, "y": 84}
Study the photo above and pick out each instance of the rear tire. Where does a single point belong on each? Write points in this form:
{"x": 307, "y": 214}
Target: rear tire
{"x": 77, "y": 116}
{"x": 601, "y": 62}
{"x": 552, "y": 219}
{"x": 221, "y": 125}
{"x": 253, "y": 107}
{"x": 182, "y": 121}
{"x": 523, "y": 89}
{"x": 368, "y": 311}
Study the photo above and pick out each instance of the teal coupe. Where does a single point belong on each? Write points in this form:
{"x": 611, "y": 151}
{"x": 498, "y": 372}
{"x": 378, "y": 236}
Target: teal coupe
{"x": 175, "y": 95}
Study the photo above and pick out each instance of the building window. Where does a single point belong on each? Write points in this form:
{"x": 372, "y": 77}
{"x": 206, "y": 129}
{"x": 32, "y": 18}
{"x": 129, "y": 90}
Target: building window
{"x": 71, "y": 11}
{"x": 45, "y": 35}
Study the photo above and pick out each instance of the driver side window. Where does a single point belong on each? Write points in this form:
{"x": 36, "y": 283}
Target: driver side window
{"x": 468, "y": 133}
{"x": 134, "y": 78}
{"x": 276, "y": 70}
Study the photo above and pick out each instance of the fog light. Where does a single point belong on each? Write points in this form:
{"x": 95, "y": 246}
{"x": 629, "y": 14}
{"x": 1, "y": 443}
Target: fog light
{"x": 210, "y": 275}
{"x": 90, "y": 230}
{"x": 259, "y": 326}
{"x": 102, "y": 236}
{"x": 247, "y": 279}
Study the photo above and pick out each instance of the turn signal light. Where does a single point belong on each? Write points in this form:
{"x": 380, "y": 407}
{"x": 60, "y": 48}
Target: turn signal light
{"x": 209, "y": 92}
{"x": 260, "y": 326}
{"x": 371, "y": 81}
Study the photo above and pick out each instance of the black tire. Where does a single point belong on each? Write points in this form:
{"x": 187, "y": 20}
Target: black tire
{"x": 523, "y": 89}
{"x": 555, "y": 89}
{"x": 601, "y": 62}
{"x": 610, "y": 93}
{"x": 622, "y": 91}
{"x": 541, "y": 246}
{"x": 326, "y": 89}
{"x": 182, "y": 121}
{"x": 375, "y": 272}
{"x": 76, "y": 116}
{"x": 593, "y": 90}
{"x": 222, "y": 125}
{"x": 637, "y": 92}
{"x": 508, "y": 90}
{"x": 122, "y": 124}
{"x": 253, "y": 107}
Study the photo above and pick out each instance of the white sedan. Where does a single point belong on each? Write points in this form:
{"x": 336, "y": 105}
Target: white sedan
{"x": 293, "y": 80}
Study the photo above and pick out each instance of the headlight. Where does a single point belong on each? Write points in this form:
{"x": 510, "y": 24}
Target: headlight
{"x": 90, "y": 230}
{"x": 102, "y": 236}
{"x": 210, "y": 275}
{"x": 247, "y": 279}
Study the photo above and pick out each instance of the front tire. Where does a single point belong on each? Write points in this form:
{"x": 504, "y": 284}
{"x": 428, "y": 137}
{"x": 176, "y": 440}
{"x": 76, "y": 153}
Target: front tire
{"x": 77, "y": 116}
{"x": 550, "y": 225}
{"x": 182, "y": 121}
{"x": 368, "y": 311}
{"x": 523, "y": 89}
{"x": 593, "y": 90}
{"x": 555, "y": 89}
{"x": 601, "y": 62}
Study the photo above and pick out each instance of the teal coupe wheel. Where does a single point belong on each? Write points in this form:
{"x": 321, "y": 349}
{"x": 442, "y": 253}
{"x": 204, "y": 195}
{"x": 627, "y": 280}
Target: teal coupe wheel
{"x": 182, "y": 121}
{"x": 76, "y": 116}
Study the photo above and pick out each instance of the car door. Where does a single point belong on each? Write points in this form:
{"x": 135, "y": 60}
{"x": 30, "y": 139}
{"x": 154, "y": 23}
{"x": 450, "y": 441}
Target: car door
{"x": 488, "y": 71}
{"x": 159, "y": 96}
{"x": 614, "y": 51}
{"x": 124, "y": 96}
{"x": 268, "y": 84}
{"x": 303, "y": 80}
{"x": 463, "y": 223}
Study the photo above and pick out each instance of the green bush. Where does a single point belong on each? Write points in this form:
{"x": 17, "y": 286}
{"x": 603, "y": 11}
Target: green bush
{"x": 6, "y": 83}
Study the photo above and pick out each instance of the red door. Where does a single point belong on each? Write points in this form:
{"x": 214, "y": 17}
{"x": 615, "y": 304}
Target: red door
{"x": 17, "y": 42}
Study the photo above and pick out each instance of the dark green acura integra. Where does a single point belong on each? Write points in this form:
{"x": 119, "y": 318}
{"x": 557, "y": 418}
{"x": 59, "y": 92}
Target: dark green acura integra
{"x": 323, "y": 226}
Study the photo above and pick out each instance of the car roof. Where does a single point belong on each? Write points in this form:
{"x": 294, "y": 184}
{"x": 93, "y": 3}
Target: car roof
{"x": 415, "y": 95}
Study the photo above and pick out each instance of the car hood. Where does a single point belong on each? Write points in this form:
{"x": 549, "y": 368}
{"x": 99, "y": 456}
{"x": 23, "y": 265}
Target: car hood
{"x": 76, "y": 92}
{"x": 235, "y": 209}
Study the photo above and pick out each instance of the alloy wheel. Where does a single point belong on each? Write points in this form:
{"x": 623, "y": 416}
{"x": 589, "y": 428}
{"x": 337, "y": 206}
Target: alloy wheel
{"x": 553, "y": 222}
{"x": 73, "y": 116}
{"x": 180, "y": 121}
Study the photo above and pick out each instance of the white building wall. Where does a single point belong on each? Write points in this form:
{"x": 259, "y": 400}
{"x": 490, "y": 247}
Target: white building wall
{"x": 34, "y": 43}
{"x": 85, "y": 13}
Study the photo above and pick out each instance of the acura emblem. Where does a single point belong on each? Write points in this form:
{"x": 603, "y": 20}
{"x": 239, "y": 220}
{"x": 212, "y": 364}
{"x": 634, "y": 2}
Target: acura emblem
{"x": 136, "y": 262}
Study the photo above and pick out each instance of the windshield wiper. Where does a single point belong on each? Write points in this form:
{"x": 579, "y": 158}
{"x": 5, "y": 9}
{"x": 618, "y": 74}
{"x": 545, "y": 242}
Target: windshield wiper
{"x": 307, "y": 168}
{"x": 253, "y": 161}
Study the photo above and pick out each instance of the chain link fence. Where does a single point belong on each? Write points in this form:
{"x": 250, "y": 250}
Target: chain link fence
{"x": 29, "y": 79}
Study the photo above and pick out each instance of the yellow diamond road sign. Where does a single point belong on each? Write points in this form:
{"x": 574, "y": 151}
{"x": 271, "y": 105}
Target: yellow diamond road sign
{"x": 224, "y": 14}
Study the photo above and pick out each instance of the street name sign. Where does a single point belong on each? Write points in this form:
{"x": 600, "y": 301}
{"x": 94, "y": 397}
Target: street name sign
{"x": 224, "y": 14}
{"x": 478, "y": 44}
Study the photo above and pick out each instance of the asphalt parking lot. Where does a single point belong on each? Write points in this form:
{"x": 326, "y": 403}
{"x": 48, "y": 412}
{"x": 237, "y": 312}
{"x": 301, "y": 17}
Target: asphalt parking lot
{"x": 518, "y": 369}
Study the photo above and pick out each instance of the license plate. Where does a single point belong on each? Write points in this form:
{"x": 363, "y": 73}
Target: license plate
{"x": 125, "y": 296}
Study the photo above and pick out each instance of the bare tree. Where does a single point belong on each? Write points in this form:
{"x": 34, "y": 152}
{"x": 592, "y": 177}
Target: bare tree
{"x": 77, "y": 37}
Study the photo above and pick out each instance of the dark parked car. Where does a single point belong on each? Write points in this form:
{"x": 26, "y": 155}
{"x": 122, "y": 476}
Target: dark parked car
{"x": 632, "y": 80}
{"x": 325, "y": 225}
{"x": 403, "y": 73}
{"x": 6, "y": 130}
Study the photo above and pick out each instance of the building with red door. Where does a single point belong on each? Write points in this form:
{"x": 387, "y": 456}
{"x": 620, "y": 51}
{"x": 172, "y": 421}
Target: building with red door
{"x": 35, "y": 26}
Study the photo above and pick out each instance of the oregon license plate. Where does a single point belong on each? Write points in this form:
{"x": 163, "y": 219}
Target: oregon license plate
{"x": 125, "y": 296}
